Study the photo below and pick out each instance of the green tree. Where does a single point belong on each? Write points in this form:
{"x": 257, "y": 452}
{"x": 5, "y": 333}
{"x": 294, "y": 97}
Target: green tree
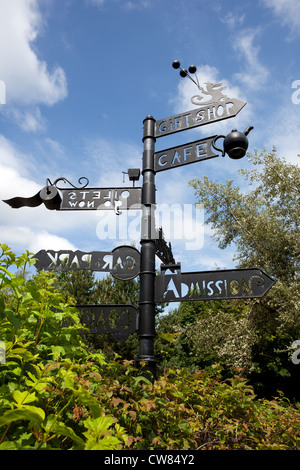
{"x": 203, "y": 334}
{"x": 264, "y": 226}
{"x": 41, "y": 384}
{"x": 81, "y": 285}
{"x": 264, "y": 223}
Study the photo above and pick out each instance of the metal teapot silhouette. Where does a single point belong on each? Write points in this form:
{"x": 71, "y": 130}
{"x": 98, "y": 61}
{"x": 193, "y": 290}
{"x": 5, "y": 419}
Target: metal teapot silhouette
{"x": 235, "y": 144}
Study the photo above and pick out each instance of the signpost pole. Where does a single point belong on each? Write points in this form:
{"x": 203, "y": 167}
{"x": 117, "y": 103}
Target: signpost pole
{"x": 147, "y": 269}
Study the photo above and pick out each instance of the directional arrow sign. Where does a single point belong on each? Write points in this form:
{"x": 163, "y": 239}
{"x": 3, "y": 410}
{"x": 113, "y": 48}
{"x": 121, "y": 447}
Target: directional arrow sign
{"x": 118, "y": 320}
{"x": 123, "y": 262}
{"x": 212, "y": 112}
{"x": 116, "y": 199}
{"x": 212, "y": 285}
{"x": 101, "y": 198}
{"x": 184, "y": 154}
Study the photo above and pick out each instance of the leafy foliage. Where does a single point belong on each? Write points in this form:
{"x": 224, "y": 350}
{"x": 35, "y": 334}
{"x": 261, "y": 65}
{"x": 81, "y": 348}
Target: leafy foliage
{"x": 264, "y": 226}
{"x": 57, "y": 393}
{"x": 264, "y": 223}
{"x": 44, "y": 362}
{"x": 207, "y": 333}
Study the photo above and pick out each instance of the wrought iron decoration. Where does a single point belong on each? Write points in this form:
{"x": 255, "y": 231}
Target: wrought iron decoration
{"x": 216, "y": 108}
{"x": 49, "y": 195}
{"x": 164, "y": 250}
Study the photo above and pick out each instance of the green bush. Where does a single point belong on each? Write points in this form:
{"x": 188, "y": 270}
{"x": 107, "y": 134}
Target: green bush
{"x": 56, "y": 393}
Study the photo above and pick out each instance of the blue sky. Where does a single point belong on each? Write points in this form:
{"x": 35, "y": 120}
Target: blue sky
{"x": 81, "y": 76}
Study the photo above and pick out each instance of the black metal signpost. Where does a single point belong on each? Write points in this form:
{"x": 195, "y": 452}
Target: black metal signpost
{"x": 126, "y": 262}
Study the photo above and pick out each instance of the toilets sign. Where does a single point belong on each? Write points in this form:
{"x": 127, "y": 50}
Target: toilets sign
{"x": 101, "y": 198}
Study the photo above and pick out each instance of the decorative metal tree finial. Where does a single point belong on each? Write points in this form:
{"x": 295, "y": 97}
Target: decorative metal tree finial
{"x": 184, "y": 73}
{"x": 65, "y": 181}
{"x": 210, "y": 93}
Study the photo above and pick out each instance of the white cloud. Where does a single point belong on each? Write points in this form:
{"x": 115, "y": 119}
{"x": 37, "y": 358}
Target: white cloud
{"x": 108, "y": 158}
{"x": 27, "y": 228}
{"x": 38, "y": 228}
{"x": 243, "y": 40}
{"x": 29, "y": 119}
{"x": 282, "y": 127}
{"x": 255, "y": 74}
{"x": 288, "y": 13}
{"x": 24, "y": 238}
{"x": 27, "y": 77}
{"x": 97, "y": 3}
{"x": 137, "y": 5}
{"x": 187, "y": 89}
{"x": 15, "y": 170}
{"x": 2, "y": 92}
{"x": 284, "y": 133}
{"x": 232, "y": 20}
{"x": 128, "y": 4}
{"x": 55, "y": 147}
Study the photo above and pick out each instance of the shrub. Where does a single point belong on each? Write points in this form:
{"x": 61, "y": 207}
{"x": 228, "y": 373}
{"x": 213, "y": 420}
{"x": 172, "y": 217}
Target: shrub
{"x": 57, "y": 393}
